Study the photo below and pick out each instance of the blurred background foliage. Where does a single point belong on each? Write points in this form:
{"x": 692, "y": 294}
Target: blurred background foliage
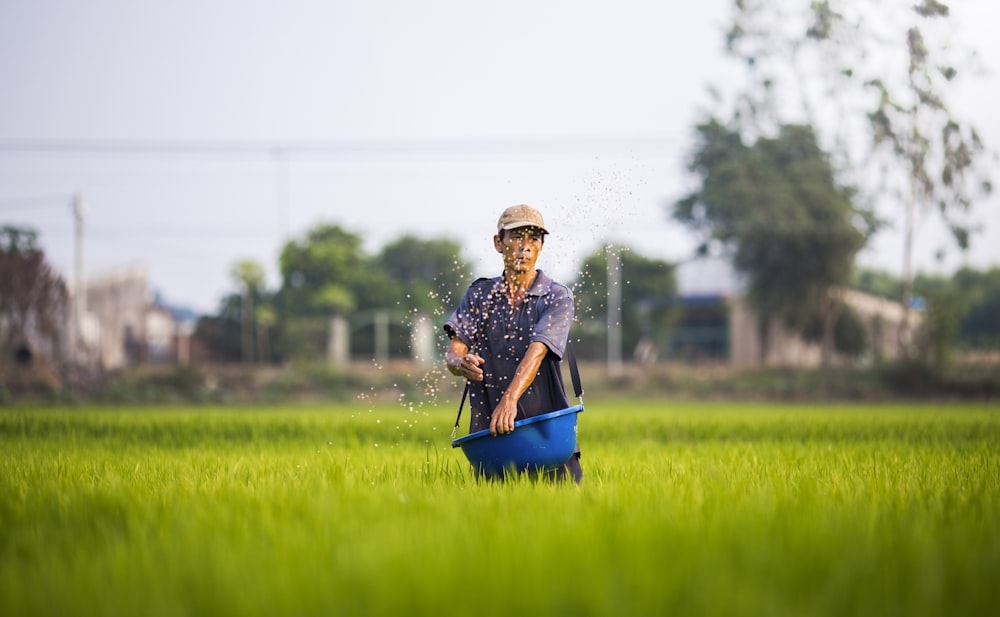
{"x": 783, "y": 194}
{"x": 411, "y": 277}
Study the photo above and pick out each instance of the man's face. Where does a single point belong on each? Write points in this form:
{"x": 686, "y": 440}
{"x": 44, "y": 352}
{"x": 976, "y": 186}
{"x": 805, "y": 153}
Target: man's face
{"x": 520, "y": 248}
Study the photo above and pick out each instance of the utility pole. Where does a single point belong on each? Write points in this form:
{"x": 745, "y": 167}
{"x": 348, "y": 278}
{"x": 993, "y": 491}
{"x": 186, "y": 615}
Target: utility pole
{"x": 79, "y": 293}
{"x": 381, "y": 322}
{"x": 614, "y": 312}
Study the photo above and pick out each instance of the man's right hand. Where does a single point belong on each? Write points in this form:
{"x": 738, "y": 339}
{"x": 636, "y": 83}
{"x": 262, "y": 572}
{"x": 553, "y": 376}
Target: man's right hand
{"x": 468, "y": 367}
{"x": 461, "y": 363}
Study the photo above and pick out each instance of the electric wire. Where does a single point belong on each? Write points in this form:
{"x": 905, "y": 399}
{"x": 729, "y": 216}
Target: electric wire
{"x": 576, "y": 146}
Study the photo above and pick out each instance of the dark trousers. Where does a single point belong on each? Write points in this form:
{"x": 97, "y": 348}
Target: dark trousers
{"x": 569, "y": 470}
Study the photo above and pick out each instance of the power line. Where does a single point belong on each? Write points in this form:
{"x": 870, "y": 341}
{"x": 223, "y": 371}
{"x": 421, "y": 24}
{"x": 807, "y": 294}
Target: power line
{"x": 187, "y": 232}
{"x": 35, "y": 201}
{"x": 183, "y": 232}
{"x": 578, "y": 146}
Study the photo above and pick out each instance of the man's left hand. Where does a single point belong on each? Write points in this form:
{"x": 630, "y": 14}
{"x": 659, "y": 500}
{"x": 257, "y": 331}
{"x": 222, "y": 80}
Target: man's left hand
{"x": 502, "y": 422}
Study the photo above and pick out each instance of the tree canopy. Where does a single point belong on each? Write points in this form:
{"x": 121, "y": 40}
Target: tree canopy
{"x": 647, "y": 288}
{"x": 33, "y": 297}
{"x": 249, "y": 275}
{"x": 875, "y": 80}
{"x": 428, "y": 275}
{"x": 325, "y": 272}
{"x": 328, "y": 272}
{"x": 776, "y": 208}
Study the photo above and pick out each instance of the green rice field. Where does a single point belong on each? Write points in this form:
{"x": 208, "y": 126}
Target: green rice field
{"x": 685, "y": 509}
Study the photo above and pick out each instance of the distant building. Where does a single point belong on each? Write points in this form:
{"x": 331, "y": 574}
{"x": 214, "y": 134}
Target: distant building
{"x": 124, "y": 325}
{"x": 717, "y": 324}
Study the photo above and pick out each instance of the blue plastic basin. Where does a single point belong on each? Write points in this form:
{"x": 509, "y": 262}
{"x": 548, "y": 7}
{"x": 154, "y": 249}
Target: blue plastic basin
{"x": 539, "y": 443}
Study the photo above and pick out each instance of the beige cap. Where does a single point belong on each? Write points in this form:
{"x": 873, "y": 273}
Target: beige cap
{"x": 521, "y": 216}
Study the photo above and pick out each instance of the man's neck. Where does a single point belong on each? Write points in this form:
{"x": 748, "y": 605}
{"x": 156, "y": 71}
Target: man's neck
{"x": 518, "y": 284}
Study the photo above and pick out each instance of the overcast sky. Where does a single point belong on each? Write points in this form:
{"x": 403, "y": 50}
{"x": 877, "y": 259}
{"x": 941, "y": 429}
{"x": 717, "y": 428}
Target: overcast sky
{"x": 245, "y": 123}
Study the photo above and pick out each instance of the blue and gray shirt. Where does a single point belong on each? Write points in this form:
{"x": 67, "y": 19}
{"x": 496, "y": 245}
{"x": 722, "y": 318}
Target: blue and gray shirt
{"x": 500, "y": 334}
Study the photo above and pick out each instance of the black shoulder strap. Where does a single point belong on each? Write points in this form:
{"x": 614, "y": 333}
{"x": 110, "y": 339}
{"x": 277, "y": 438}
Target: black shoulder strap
{"x": 465, "y": 393}
{"x": 574, "y": 371}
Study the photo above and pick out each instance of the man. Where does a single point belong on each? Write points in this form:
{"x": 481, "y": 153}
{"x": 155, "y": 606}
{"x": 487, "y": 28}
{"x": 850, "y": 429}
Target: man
{"x": 509, "y": 333}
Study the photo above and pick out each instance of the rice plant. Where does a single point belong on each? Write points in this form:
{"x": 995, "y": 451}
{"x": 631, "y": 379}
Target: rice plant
{"x": 693, "y": 509}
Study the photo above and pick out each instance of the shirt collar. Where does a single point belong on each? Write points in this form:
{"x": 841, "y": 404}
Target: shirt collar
{"x": 540, "y": 287}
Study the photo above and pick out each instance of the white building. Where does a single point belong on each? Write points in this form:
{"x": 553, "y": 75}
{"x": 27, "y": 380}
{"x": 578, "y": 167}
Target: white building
{"x": 123, "y": 326}
{"x": 717, "y": 323}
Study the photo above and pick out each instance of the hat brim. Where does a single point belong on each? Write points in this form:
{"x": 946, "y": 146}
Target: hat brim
{"x": 520, "y": 224}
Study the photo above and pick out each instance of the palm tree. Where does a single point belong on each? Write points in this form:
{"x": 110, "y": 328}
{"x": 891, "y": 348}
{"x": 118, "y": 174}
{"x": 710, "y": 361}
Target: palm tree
{"x": 249, "y": 275}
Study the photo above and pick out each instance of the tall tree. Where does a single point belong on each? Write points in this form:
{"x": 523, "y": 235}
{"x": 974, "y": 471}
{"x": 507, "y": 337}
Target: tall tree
{"x": 319, "y": 272}
{"x": 429, "y": 274}
{"x": 776, "y": 207}
{"x": 322, "y": 275}
{"x": 874, "y": 78}
{"x": 648, "y": 287}
{"x": 249, "y": 276}
{"x": 327, "y": 273}
{"x": 33, "y": 297}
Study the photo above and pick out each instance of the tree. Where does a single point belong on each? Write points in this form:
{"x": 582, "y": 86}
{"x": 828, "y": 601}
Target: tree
{"x": 874, "y": 77}
{"x": 220, "y": 334}
{"x": 327, "y": 273}
{"x": 317, "y": 276}
{"x": 961, "y": 309}
{"x": 249, "y": 276}
{"x": 945, "y": 308}
{"x": 429, "y": 274}
{"x": 647, "y": 290}
{"x": 877, "y": 283}
{"x": 775, "y": 206}
{"x": 980, "y": 329}
{"x": 265, "y": 317}
{"x": 319, "y": 272}
{"x": 33, "y": 297}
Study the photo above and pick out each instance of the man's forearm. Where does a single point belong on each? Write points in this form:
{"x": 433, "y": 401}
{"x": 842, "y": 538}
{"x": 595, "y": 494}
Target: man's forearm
{"x": 526, "y": 371}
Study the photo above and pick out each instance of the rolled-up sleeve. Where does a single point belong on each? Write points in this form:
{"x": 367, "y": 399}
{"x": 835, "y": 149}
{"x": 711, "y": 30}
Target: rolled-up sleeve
{"x": 463, "y": 322}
